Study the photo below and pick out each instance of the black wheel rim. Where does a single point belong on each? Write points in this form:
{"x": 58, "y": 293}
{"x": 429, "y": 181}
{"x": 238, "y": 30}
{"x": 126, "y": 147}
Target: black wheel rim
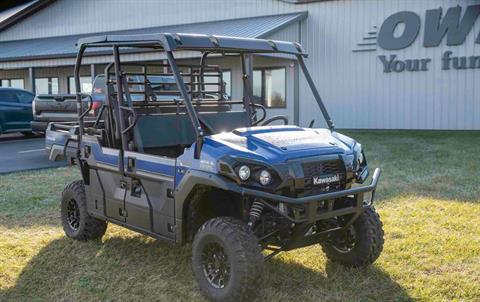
{"x": 73, "y": 214}
{"x": 345, "y": 241}
{"x": 216, "y": 267}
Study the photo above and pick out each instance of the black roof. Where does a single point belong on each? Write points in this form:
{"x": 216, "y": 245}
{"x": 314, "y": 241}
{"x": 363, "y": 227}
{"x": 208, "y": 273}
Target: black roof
{"x": 211, "y": 43}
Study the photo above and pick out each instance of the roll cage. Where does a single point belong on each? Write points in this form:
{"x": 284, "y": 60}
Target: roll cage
{"x": 122, "y": 118}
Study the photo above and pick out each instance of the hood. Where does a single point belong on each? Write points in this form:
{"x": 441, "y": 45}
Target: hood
{"x": 280, "y": 143}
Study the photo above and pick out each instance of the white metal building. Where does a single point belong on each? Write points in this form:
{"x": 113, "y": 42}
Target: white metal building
{"x": 392, "y": 64}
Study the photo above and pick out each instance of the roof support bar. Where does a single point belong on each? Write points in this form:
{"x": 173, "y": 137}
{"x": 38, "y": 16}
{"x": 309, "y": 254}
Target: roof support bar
{"x": 118, "y": 78}
{"x": 203, "y": 59}
{"x": 247, "y": 75}
{"x": 188, "y": 103}
{"x": 76, "y": 73}
{"x": 316, "y": 95}
{"x": 113, "y": 115}
{"x": 82, "y": 163}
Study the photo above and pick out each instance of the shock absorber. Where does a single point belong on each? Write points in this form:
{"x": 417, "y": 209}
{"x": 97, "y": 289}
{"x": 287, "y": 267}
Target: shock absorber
{"x": 255, "y": 212}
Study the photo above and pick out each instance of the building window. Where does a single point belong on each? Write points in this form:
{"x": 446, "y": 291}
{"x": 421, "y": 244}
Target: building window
{"x": 85, "y": 84}
{"x": 269, "y": 87}
{"x": 46, "y": 85}
{"x": 15, "y": 83}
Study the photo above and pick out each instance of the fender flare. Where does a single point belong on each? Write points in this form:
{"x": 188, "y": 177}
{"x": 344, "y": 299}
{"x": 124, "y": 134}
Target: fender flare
{"x": 193, "y": 178}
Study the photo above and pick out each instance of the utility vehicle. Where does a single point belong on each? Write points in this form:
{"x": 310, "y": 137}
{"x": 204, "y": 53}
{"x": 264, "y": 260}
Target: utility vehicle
{"x": 213, "y": 171}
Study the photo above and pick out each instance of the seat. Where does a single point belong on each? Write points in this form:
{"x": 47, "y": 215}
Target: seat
{"x": 164, "y": 134}
{"x": 168, "y": 134}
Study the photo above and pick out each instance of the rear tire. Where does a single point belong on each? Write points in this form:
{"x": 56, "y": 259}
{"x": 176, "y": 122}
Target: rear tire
{"x": 227, "y": 260}
{"x": 28, "y": 134}
{"x": 76, "y": 221}
{"x": 366, "y": 246}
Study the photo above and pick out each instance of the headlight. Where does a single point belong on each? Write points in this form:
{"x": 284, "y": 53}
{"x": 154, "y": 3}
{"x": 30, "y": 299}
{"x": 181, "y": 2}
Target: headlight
{"x": 248, "y": 172}
{"x": 358, "y": 155}
{"x": 244, "y": 172}
{"x": 265, "y": 178}
{"x": 360, "y": 164}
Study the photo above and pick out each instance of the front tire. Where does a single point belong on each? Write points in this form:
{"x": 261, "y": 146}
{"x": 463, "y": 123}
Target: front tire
{"x": 360, "y": 245}
{"x": 76, "y": 221}
{"x": 227, "y": 260}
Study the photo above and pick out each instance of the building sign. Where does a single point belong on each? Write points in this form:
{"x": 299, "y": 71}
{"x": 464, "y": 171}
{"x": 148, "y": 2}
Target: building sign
{"x": 401, "y": 29}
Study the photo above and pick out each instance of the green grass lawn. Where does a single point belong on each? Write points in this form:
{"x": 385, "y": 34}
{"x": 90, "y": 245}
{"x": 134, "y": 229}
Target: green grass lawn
{"x": 428, "y": 199}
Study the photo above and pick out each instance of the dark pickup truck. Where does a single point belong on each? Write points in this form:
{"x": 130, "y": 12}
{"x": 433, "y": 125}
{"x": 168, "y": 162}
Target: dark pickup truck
{"x": 48, "y": 108}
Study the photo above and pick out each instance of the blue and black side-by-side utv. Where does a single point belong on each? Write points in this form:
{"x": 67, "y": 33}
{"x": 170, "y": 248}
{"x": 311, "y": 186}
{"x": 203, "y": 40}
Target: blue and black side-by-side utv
{"x": 203, "y": 168}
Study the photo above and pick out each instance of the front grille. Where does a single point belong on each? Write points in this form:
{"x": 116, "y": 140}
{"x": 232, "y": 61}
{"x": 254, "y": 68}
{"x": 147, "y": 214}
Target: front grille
{"x": 322, "y": 169}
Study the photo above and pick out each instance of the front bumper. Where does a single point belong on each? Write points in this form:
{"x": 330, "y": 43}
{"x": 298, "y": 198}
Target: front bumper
{"x": 319, "y": 207}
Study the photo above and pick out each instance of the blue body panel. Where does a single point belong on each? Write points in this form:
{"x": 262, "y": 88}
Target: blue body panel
{"x": 163, "y": 169}
{"x": 268, "y": 145}
{"x": 142, "y": 161}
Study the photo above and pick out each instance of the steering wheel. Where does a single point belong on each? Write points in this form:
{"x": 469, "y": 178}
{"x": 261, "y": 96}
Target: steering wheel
{"x": 276, "y": 118}
{"x": 264, "y": 114}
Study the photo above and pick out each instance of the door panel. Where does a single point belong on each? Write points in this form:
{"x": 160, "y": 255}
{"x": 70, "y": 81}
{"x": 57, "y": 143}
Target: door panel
{"x": 138, "y": 206}
{"x": 114, "y": 184}
{"x": 95, "y": 194}
{"x": 114, "y": 194}
{"x": 163, "y": 206}
{"x": 25, "y": 103}
{"x": 16, "y": 115}
{"x": 10, "y": 114}
{"x": 146, "y": 202}
{"x": 25, "y": 116}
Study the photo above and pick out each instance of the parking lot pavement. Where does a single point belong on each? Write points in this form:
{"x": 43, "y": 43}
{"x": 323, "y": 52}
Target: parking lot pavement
{"x": 18, "y": 153}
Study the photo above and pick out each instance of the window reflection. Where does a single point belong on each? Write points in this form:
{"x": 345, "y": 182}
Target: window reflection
{"x": 269, "y": 87}
{"x": 46, "y": 85}
{"x": 85, "y": 85}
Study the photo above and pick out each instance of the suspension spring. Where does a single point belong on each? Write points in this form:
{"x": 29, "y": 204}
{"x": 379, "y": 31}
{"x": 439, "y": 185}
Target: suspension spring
{"x": 255, "y": 212}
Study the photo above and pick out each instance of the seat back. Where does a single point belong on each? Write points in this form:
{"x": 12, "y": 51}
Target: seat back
{"x": 164, "y": 130}
{"x": 156, "y": 131}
